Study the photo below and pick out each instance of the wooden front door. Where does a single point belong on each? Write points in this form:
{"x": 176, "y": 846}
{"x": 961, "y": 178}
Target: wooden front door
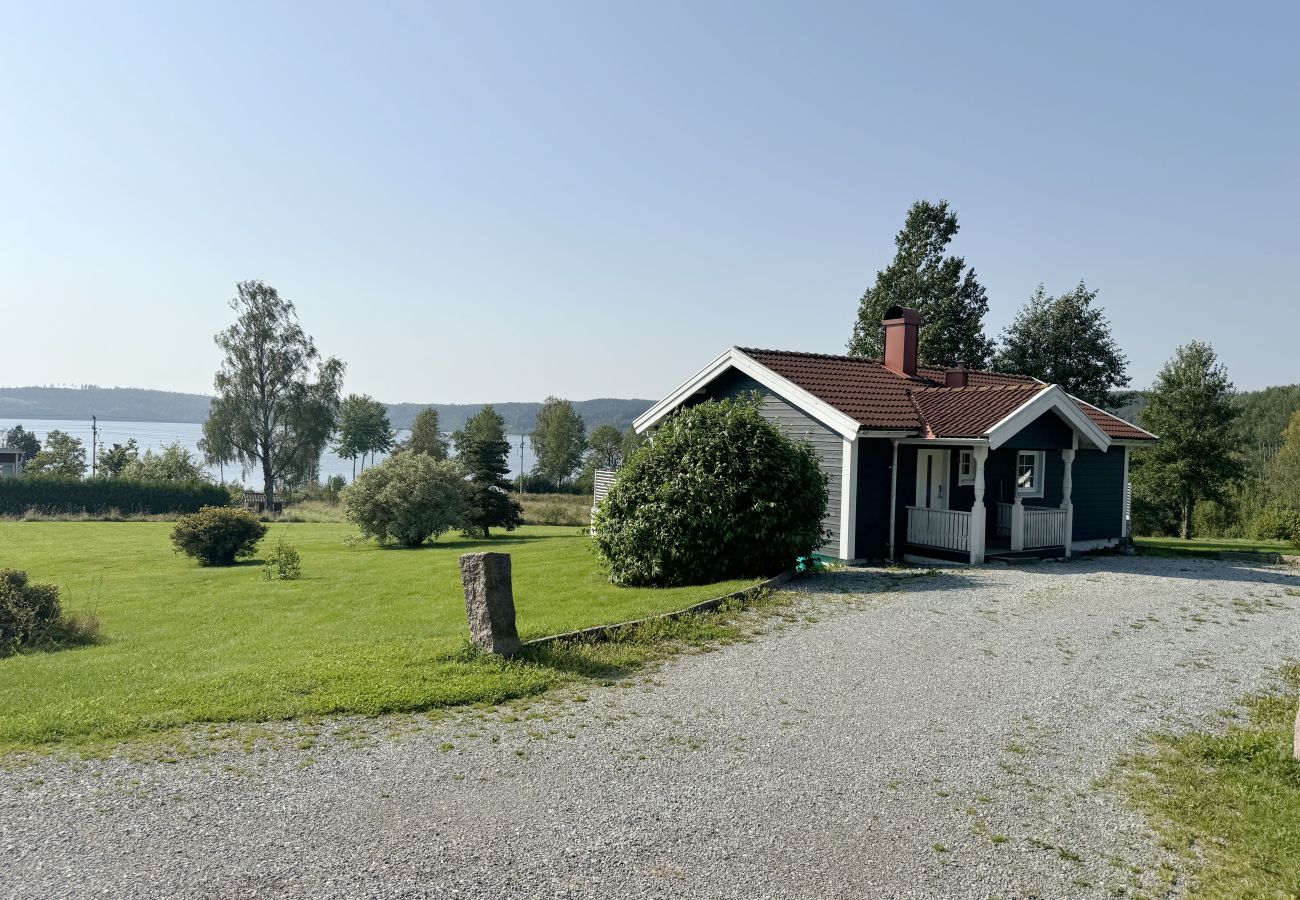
{"x": 932, "y": 479}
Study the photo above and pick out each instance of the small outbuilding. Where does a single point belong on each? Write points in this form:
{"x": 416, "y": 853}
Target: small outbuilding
{"x": 11, "y": 462}
{"x": 936, "y": 463}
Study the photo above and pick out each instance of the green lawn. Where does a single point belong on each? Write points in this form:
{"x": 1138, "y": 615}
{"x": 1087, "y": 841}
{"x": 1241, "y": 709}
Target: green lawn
{"x": 1209, "y": 546}
{"x": 366, "y": 630}
{"x": 1230, "y": 801}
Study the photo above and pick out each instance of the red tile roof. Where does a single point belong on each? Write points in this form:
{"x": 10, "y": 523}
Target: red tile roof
{"x": 880, "y": 398}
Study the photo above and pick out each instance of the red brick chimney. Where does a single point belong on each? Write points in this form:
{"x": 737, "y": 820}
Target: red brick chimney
{"x": 901, "y": 326}
{"x": 957, "y": 377}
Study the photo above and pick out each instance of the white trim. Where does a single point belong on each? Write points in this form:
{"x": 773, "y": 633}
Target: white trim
{"x": 845, "y": 426}
{"x": 849, "y": 499}
{"x": 1052, "y": 398}
{"x": 1124, "y": 500}
{"x": 1040, "y": 474}
{"x": 965, "y": 480}
{"x": 1113, "y": 416}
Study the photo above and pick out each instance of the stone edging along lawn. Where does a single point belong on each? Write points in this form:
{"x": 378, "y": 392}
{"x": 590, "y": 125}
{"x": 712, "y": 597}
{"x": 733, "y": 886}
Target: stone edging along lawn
{"x": 604, "y": 632}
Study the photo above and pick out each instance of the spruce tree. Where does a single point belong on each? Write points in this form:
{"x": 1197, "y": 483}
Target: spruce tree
{"x": 941, "y": 288}
{"x": 482, "y": 451}
{"x": 1192, "y": 412}
{"x": 1065, "y": 340}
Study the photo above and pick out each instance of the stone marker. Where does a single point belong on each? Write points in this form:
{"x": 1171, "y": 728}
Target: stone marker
{"x": 490, "y": 602}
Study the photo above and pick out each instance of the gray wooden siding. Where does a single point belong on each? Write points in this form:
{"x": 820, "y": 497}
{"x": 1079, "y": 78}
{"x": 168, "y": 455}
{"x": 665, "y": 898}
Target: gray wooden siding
{"x": 1048, "y": 432}
{"x": 799, "y": 425}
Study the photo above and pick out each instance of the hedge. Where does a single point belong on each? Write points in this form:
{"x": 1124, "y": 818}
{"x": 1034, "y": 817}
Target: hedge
{"x": 98, "y": 496}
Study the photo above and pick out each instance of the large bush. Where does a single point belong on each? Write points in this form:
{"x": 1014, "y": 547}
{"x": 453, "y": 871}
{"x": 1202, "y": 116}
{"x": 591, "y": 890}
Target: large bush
{"x": 407, "y": 499}
{"x": 99, "y": 495}
{"x": 218, "y": 535}
{"x": 1275, "y": 522}
{"x": 718, "y": 493}
{"x": 31, "y": 616}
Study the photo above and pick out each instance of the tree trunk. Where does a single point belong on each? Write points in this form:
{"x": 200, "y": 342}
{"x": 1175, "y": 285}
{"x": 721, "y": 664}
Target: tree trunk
{"x": 268, "y": 483}
{"x": 1188, "y": 506}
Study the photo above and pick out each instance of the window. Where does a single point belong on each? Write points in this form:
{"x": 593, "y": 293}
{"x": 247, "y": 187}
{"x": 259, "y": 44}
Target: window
{"x": 1029, "y": 473}
{"x": 966, "y": 467}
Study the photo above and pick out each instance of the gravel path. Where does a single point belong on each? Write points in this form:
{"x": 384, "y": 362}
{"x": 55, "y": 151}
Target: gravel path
{"x": 931, "y": 737}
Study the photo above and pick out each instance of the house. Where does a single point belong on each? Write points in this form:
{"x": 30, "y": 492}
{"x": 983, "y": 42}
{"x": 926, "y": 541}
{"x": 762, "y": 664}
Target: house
{"x": 934, "y": 463}
{"x": 11, "y": 462}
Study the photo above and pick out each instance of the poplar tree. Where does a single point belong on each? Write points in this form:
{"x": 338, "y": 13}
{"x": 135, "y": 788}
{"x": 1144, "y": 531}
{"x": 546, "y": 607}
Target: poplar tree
{"x": 943, "y": 289}
{"x": 559, "y": 439}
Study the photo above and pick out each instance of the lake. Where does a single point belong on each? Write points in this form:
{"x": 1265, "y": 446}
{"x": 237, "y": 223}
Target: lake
{"x": 156, "y": 435}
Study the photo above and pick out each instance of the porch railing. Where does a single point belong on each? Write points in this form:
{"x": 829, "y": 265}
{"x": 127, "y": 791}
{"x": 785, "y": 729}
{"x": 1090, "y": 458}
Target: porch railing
{"x": 1044, "y": 526}
{"x": 946, "y": 529}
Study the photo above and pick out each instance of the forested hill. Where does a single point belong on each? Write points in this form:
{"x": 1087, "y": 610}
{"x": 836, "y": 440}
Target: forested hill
{"x": 140, "y": 405}
{"x": 1262, "y": 415}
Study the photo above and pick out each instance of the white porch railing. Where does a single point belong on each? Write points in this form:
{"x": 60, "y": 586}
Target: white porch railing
{"x": 947, "y": 529}
{"x": 1044, "y": 527}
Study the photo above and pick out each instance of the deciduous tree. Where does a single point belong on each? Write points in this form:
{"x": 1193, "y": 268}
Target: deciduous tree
{"x": 559, "y": 438}
{"x": 1191, "y": 411}
{"x": 277, "y": 400}
{"x": 63, "y": 457}
{"x": 426, "y": 435}
{"x": 364, "y": 429}
{"x": 481, "y": 452}
{"x": 942, "y": 288}
{"x": 19, "y": 438}
{"x": 112, "y": 460}
{"x": 606, "y": 443}
{"x": 173, "y": 463}
{"x": 1065, "y": 340}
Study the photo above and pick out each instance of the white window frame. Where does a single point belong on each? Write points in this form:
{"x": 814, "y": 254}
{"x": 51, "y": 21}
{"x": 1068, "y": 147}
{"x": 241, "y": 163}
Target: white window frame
{"x": 965, "y": 461}
{"x": 1040, "y": 457}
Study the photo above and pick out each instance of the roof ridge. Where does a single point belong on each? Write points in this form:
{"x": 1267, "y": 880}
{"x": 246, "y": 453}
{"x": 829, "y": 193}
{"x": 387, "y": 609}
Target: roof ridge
{"x": 1017, "y": 386}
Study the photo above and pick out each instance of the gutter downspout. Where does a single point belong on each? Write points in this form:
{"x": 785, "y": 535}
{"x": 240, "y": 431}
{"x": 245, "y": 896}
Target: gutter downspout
{"x": 893, "y": 500}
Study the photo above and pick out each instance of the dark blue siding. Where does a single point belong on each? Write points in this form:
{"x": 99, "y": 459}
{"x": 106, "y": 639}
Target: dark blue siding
{"x": 1048, "y": 432}
{"x": 875, "y": 461}
{"x": 1098, "y": 494}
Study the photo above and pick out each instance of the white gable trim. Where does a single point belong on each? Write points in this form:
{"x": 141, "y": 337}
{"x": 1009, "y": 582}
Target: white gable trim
{"x": 845, "y": 426}
{"x": 1053, "y": 399}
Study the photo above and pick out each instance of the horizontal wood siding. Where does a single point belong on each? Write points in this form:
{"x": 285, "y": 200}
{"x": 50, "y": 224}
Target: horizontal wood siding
{"x": 799, "y": 425}
{"x": 1098, "y": 493}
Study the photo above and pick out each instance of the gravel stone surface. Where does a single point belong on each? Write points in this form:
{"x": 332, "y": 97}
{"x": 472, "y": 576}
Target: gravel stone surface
{"x": 935, "y": 736}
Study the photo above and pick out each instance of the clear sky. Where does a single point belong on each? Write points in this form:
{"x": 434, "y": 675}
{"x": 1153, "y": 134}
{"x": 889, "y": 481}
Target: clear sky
{"x": 492, "y": 201}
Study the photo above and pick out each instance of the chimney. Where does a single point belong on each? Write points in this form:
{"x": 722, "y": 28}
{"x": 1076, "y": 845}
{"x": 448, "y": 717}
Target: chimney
{"x": 957, "y": 377}
{"x": 901, "y": 326}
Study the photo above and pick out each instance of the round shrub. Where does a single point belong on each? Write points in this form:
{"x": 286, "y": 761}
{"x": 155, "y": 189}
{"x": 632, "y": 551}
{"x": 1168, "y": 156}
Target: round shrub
{"x": 28, "y": 612}
{"x": 218, "y": 535}
{"x": 719, "y": 493}
{"x": 407, "y": 499}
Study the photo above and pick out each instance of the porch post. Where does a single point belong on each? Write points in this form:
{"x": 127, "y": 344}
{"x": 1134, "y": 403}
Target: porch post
{"x": 978, "y": 513}
{"x": 1018, "y": 525}
{"x": 1067, "y": 487}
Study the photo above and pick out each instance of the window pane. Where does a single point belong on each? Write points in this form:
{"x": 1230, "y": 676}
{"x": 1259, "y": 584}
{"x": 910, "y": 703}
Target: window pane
{"x": 1025, "y": 465}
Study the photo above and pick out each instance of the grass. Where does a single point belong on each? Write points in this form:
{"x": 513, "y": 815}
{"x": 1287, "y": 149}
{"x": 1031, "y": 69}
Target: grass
{"x": 556, "y": 509}
{"x": 1208, "y": 547}
{"x": 1229, "y": 801}
{"x": 365, "y": 630}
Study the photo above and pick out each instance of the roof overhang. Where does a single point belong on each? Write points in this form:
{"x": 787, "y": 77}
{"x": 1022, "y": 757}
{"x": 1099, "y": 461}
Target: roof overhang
{"x": 844, "y": 425}
{"x": 1053, "y": 399}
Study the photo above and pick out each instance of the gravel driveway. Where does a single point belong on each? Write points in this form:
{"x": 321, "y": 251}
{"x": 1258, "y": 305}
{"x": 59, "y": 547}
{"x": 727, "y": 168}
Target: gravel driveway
{"x": 929, "y": 737}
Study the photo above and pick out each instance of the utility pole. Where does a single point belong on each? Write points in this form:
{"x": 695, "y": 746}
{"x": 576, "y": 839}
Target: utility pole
{"x": 94, "y": 445}
{"x": 521, "y": 464}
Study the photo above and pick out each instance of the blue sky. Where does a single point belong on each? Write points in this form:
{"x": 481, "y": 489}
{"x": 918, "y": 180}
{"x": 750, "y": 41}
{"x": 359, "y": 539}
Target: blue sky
{"x": 492, "y": 201}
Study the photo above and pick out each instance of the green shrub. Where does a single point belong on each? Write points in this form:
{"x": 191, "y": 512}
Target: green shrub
{"x": 719, "y": 493}
{"x": 99, "y": 495}
{"x": 407, "y": 499}
{"x": 283, "y": 563}
{"x": 1275, "y": 522}
{"x": 218, "y": 535}
{"x": 31, "y": 616}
